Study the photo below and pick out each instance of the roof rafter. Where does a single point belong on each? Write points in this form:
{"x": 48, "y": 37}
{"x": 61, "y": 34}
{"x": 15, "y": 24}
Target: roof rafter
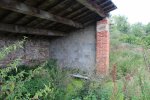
{"x": 91, "y": 5}
{"x": 28, "y": 10}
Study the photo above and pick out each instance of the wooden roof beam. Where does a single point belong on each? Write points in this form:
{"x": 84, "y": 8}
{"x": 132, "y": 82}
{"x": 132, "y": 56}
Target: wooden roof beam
{"x": 109, "y": 6}
{"x": 108, "y": 10}
{"x": 26, "y": 30}
{"x": 105, "y": 2}
{"x": 91, "y": 5}
{"x": 28, "y": 10}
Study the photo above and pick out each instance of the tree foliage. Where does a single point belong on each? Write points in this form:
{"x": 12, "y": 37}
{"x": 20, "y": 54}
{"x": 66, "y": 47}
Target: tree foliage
{"x": 121, "y": 23}
{"x": 138, "y": 29}
{"x": 136, "y": 33}
{"x": 147, "y": 29}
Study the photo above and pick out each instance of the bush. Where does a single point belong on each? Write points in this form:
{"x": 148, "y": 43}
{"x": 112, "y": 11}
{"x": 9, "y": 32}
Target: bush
{"x": 13, "y": 81}
{"x": 46, "y": 81}
{"x": 132, "y": 39}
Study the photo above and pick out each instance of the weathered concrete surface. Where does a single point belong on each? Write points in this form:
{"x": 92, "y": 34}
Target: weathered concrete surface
{"x": 76, "y": 50}
{"x": 36, "y": 49}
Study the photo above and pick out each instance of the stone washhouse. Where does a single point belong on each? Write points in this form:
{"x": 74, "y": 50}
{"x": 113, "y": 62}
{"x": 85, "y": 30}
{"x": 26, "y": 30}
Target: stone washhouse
{"x": 75, "y": 32}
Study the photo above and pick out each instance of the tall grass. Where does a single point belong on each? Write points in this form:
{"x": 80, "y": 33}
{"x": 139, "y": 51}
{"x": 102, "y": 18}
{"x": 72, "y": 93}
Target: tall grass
{"x": 132, "y": 65}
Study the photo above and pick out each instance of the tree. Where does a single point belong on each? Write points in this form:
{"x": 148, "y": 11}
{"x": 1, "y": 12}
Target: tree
{"x": 121, "y": 23}
{"x": 147, "y": 28}
{"x": 138, "y": 29}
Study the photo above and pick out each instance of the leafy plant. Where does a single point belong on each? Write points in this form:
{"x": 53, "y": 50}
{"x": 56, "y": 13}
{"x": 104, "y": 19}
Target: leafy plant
{"x": 13, "y": 84}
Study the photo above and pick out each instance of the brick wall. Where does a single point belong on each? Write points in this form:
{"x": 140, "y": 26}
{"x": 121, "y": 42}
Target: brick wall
{"x": 36, "y": 49}
{"x": 102, "y": 46}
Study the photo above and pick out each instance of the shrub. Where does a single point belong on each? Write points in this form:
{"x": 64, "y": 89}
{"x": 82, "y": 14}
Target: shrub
{"x": 13, "y": 82}
{"x": 132, "y": 39}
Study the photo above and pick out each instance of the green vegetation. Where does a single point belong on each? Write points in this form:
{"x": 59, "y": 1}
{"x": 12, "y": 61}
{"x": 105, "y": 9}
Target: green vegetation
{"x": 129, "y": 77}
{"x": 46, "y": 81}
{"x": 130, "y": 54}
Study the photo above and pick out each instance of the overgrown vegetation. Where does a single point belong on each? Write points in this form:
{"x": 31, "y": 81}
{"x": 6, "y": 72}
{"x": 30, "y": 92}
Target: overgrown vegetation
{"x": 46, "y": 81}
{"x": 130, "y": 54}
{"x": 129, "y": 77}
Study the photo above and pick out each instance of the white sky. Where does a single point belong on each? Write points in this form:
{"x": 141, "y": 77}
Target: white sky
{"x": 134, "y": 10}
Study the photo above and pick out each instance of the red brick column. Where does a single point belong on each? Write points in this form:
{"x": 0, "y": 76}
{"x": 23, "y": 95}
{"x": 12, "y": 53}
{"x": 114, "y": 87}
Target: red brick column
{"x": 102, "y": 47}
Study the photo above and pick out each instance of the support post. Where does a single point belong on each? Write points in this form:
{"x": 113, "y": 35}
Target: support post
{"x": 102, "y": 47}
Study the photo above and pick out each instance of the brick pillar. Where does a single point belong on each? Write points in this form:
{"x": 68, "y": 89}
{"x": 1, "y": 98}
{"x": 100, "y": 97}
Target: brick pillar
{"x": 102, "y": 47}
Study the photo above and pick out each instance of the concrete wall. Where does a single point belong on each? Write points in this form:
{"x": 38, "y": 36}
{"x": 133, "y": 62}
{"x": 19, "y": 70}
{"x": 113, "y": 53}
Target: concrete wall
{"x": 76, "y": 50}
{"x": 36, "y": 49}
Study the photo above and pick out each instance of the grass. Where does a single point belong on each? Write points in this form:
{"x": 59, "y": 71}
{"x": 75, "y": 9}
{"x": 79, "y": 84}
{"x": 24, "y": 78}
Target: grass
{"x": 133, "y": 76}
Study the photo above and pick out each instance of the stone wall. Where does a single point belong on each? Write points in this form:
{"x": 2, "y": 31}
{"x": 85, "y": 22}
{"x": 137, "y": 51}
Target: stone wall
{"x": 36, "y": 49}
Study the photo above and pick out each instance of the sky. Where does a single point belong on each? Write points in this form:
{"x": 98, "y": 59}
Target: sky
{"x": 134, "y": 10}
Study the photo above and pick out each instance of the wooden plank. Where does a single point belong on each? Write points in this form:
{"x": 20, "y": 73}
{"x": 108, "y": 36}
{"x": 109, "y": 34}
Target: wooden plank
{"x": 91, "y": 5}
{"x": 37, "y": 5}
{"x": 109, "y": 6}
{"x": 59, "y": 13}
{"x": 108, "y": 10}
{"x": 105, "y": 2}
{"x": 26, "y": 30}
{"x": 79, "y": 76}
{"x": 28, "y": 10}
